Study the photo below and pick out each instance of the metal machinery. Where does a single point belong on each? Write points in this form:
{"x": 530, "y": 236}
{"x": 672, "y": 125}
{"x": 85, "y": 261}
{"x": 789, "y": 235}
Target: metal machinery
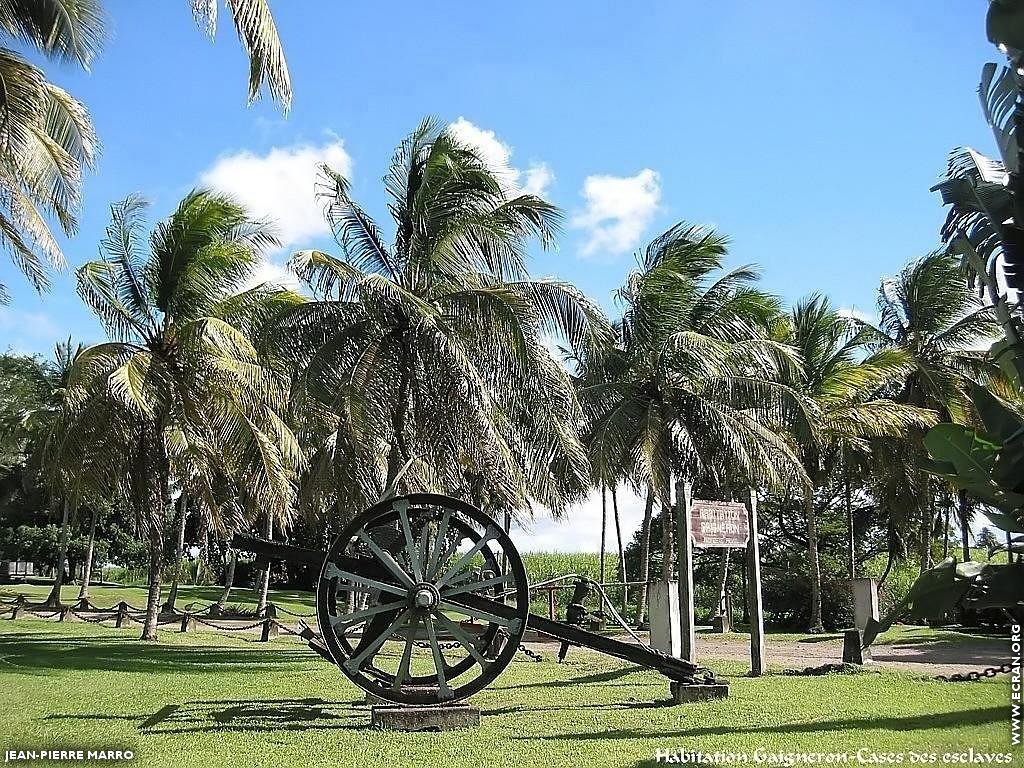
{"x": 415, "y": 591}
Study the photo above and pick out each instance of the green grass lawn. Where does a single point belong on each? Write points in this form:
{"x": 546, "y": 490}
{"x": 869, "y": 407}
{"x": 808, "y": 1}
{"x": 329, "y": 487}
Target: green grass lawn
{"x": 106, "y": 596}
{"x": 216, "y": 699}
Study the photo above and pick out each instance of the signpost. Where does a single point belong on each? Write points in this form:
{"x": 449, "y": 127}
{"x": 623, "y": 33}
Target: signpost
{"x": 715, "y": 525}
{"x": 719, "y": 524}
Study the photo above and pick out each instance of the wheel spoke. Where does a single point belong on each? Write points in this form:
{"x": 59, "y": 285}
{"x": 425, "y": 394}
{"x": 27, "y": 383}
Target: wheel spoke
{"x": 457, "y": 588}
{"x": 354, "y": 664}
{"x": 402, "y": 507}
{"x": 392, "y": 565}
{"x": 459, "y": 634}
{"x": 373, "y": 583}
{"x": 403, "y": 666}
{"x": 348, "y": 619}
{"x": 439, "y": 544}
{"x": 443, "y": 691}
{"x": 489, "y": 534}
{"x": 476, "y": 613}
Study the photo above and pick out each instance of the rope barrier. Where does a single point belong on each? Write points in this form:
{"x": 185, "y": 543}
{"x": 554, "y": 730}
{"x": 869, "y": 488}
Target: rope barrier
{"x": 230, "y": 629}
{"x": 296, "y": 615}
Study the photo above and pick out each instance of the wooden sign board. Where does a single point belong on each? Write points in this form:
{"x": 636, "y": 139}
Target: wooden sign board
{"x": 719, "y": 524}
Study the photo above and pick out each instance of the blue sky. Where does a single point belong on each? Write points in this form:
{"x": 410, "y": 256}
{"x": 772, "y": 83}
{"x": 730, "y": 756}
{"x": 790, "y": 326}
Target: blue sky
{"x": 810, "y": 132}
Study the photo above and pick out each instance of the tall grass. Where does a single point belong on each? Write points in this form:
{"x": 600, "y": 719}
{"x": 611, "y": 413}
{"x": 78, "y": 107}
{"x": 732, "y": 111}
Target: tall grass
{"x": 541, "y": 566}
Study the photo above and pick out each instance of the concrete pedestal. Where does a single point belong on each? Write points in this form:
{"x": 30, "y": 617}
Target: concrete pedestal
{"x": 451, "y": 717}
{"x": 865, "y": 602}
{"x": 685, "y": 694}
{"x": 663, "y": 614}
{"x": 721, "y": 624}
{"x": 853, "y": 653}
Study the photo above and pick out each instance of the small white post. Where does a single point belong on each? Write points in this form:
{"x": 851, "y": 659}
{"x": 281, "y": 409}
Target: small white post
{"x": 684, "y": 537}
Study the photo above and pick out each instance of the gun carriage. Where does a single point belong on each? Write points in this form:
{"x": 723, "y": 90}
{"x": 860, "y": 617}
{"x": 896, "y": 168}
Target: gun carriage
{"x": 412, "y": 571}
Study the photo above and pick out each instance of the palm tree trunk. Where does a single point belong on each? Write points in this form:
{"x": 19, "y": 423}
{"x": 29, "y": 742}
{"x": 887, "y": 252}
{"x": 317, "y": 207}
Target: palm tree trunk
{"x": 229, "y": 579}
{"x": 668, "y": 550}
{"x": 622, "y": 555}
{"x": 83, "y": 593}
{"x": 812, "y": 556}
{"x": 604, "y": 527}
{"x": 156, "y": 556}
{"x": 179, "y": 546}
{"x": 723, "y": 582}
{"x": 62, "y": 555}
{"x": 264, "y": 587}
{"x": 398, "y": 455}
{"x": 851, "y": 543}
{"x": 947, "y": 509}
{"x": 965, "y": 528}
{"x": 927, "y": 522}
{"x": 645, "y": 557}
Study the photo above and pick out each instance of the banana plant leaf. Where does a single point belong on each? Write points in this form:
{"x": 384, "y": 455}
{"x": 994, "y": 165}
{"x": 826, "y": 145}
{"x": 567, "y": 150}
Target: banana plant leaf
{"x": 935, "y": 593}
{"x": 999, "y": 586}
{"x": 1005, "y": 522}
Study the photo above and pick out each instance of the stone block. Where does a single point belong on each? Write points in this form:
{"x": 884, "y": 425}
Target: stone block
{"x": 683, "y": 693}
{"x": 450, "y": 717}
{"x": 853, "y": 653}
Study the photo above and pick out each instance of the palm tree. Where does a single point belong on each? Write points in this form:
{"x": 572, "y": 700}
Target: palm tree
{"x": 689, "y": 389}
{"x": 258, "y": 34}
{"x": 179, "y": 396}
{"x": 46, "y": 137}
{"x": 430, "y": 352}
{"x": 930, "y": 314}
{"x": 843, "y": 385}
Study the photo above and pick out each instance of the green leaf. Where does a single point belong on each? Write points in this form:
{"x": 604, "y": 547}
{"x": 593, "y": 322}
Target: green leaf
{"x": 1002, "y": 423}
{"x": 1005, "y": 522}
{"x": 973, "y": 456}
{"x": 1001, "y": 586}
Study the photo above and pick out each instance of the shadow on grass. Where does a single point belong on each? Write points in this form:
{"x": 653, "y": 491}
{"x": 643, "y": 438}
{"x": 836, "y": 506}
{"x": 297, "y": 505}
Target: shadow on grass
{"x": 44, "y": 652}
{"x": 241, "y": 716}
{"x": 924, "y": 722}
{"x": 600, "y": 677}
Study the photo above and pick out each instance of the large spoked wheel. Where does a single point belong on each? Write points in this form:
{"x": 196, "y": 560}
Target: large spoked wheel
{"x": 392, "y": 593}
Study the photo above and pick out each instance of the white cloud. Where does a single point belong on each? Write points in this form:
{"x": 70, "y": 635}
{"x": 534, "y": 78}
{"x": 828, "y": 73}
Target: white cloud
{"x": 280, "y": 185}
{"x": 580, "y": 529}
{"x": 857, "y": 314}
{"x": 274, "y": 274}
{"x": 498, "y": 155}
{"x": 619, "y": 208}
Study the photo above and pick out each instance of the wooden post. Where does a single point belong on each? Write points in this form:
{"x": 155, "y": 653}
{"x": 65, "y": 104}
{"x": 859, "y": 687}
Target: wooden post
{"x": 684, "y": 545}
{"x": 551, "y": 603}
{"x": 64, "y": 613}
{"x": 755, "y": 608}
{"x": 269, "y": 630}
{"x": 122, "y": 614}
{"x": 187, "y": 625}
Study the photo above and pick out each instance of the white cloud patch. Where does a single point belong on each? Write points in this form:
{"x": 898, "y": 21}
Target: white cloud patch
{"x": 580, "y": 529}
{"x": 279, "y": 186}
{"x": 534, "y": 180}
{"x": 856, "y": 314}
{"x": 273, "y": 273}
{"x": 618, "y": 210}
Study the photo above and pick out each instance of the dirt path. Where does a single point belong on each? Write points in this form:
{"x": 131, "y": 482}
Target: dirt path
{"x": 953, "y": 654}
{"x": 926, "y": 655}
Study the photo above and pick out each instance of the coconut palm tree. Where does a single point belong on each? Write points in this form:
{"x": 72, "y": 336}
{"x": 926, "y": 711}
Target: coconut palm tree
{"x": 690, "y": 388}
{"x": 258, "y": 34}
{"x": 843, "y": 384}
{"x": 179, "y": 395}
{"x": 930, "y": 314}
{"x": 430, "y": 352}
{"x": 46, "y": 137}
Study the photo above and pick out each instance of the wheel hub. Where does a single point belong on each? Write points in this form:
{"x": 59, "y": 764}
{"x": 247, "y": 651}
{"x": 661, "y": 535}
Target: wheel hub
{"x": 425, "y": 596}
